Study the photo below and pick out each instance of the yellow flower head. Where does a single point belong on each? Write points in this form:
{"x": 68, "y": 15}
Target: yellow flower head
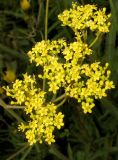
{"x": 82, "y": 17}
{"x": 44, "y": 117}
{"x": 25, "y": 4}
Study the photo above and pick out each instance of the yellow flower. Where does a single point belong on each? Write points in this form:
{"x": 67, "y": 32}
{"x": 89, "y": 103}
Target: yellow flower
{"x": 25, "y": 4}
{"x": 87, "y": 107}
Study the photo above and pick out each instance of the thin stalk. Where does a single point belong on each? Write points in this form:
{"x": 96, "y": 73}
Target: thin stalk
{"x": 62, "y": 102}
{"x": 37, "y": 148}
{"x": 39, "y": 13}
{"x": 18, "y": 152}
{"x": 4, "y": 105}
{"x": 46, "y": 33}
{"x": 46, "y": 20}
{"x": 53, "y": 150}
{"x": 95, "y": 40}
{"x": 26, "y": 153}
{"x": 15, "y": 107}
{"x": 44, "y": 82}
{"x": 59, "y": 98}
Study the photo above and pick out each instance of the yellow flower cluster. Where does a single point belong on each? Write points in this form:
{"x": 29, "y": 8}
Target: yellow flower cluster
{"x": 46, "y": 54}
{"x": 93, "y": 84}
{"x": 62, "y": 65}
{"x": 65, "y": 67}
{"x": 43, "y": 117}
{"x": 82, "y": 17}
{"x": 42, "y": 124}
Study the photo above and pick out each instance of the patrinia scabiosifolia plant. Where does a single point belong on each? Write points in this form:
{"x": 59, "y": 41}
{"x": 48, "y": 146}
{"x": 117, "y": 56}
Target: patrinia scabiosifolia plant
{"x": 62, "y": 65}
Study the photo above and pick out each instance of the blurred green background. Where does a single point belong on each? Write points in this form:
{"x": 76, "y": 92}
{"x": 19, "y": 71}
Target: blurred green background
{"x": 84, "y": 137}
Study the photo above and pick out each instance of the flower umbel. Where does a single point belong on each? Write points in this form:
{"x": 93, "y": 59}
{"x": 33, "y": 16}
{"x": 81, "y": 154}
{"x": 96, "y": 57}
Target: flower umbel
{"x": 43, "y": 116}
{"x": 82, "y": 17}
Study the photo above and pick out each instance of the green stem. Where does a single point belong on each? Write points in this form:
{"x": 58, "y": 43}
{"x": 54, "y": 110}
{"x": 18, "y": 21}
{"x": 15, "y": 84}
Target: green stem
{"x": 62, "y": 102}
{"x": 4, "y": 105}
{"x": 53, "y": 150}
{"x": 46, "y": 33}
{"x": 46, "y": 20}
{"x": 39, "y": 13}
{"x": 26, "y": 153}
{"x": 15, "y": 107}
{"x": 44, "y": 82}
{"x": 37, "y": 148}
{"x": 18, "y": 152}
{"x": 59, "y": 98}
{"x": 95, "y": 40}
